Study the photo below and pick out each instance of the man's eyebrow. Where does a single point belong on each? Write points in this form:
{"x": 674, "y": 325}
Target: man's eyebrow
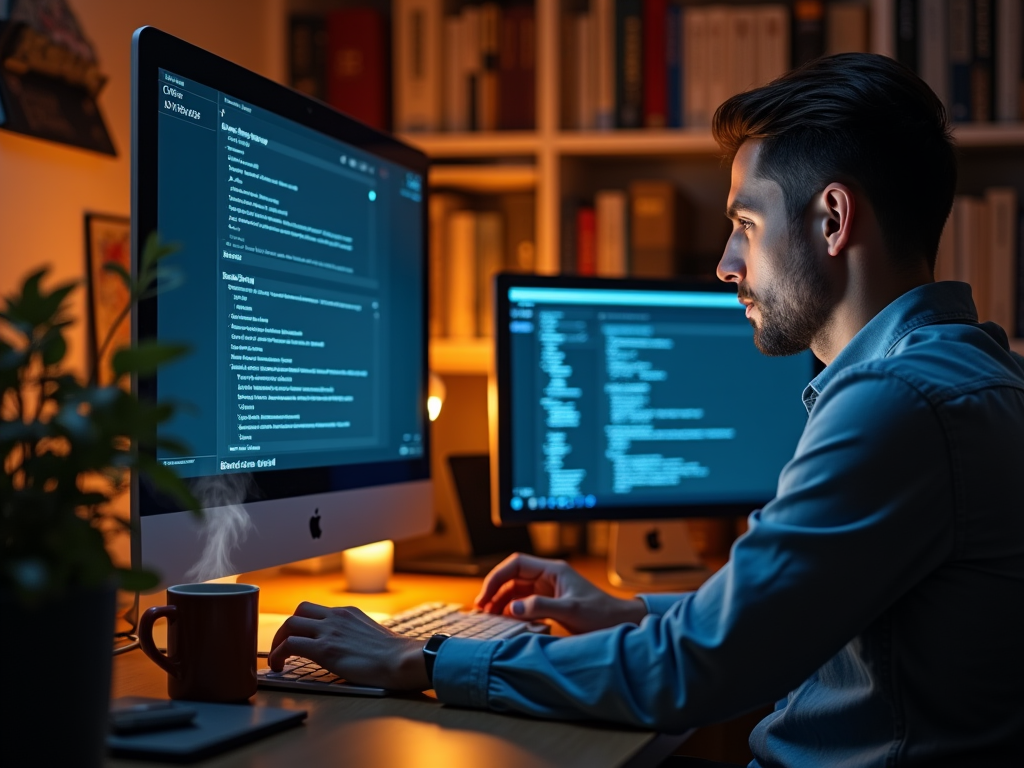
{"x": 739, "y": 205}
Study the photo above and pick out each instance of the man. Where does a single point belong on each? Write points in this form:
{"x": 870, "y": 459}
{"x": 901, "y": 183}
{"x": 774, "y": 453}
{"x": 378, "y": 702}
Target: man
{"x": 880, "y": 596}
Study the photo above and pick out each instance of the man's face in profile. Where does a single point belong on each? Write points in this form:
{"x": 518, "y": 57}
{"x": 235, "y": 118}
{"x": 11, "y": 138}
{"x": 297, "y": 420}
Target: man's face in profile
{"x": 780, "y": 276}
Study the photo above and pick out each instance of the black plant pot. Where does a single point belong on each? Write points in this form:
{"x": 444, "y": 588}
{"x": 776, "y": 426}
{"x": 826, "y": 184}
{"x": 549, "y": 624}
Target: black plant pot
{"x": 56, "y": 688}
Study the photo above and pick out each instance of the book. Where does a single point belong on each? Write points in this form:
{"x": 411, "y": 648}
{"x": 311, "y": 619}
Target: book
{"x": 945, "y": 258}
{"x": 1009, "y": 35}
{"x": 932, "y": 49}
{"x": 652, "y": 235}
{"x": 570, "y": 76}
{"x": 461, "y": 278}
{"x": 808, "y": 30}
{"x": 519, "y": 210}
{"x": 655, "y": 57}
{"x": 674, "y": 66}
{"x": 358, "y": 75}
{"x": 906, "y": 32}
{"x": 472, "y": 67}
{"x": 586, "y": 241}
{"x": 960, "y": 58}
{"x": 696, "y": 66}
{"x": 517, "y": 69}
{"x": 455, "y": 92}
{"x": 487, "y": 83}
{"x": 847, "y": 25}
{"x": 1001, "y": 204}
{"x": 490, "y": 242}
{"x": 629, "y": 64}
{"x": 604, "y": 56}
{"x": 720, "y": 59}
{"x": 586, "y": 65}
{"x": 611, "y": 237}
{"x": 742, "y": 47}
{"x": 983, "y": 64}
{"x": 772, "y": 42}
{"x": 568, "y": 236}
{"x": 307, "y": 55}
{"x": 440, "y": 206}
{"x": 971, "y": 248}
{"x": 416, "y": 50}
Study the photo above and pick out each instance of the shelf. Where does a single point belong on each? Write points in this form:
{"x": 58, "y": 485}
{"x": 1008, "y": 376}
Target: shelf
{"x": 485, "y": 178}
{"x": 687, "y": 141}
{"x": 470, "y": 356}
{"x": 473, "y": 144}
{"x": 990, "y": 135}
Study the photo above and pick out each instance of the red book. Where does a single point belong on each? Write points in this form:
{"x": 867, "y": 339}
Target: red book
{"x": 586, "y": 242}
{"x": 358, "y": 71}
{"x": 655, "y": 66}
{"x": 517, "y": 90}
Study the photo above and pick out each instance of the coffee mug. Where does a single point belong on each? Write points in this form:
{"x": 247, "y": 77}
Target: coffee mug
{"x": 211, "y": 641}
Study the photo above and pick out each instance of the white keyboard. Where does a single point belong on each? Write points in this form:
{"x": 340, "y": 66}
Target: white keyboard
{"x": 420, "y": 622}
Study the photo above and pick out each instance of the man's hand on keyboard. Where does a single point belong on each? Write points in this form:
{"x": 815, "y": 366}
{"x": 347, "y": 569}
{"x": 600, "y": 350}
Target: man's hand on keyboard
{"x": 529, "y": 587}
{"x": 352, "y": 645}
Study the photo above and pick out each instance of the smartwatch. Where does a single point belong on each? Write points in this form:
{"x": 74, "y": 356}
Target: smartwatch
{"x": 430, "y": 653}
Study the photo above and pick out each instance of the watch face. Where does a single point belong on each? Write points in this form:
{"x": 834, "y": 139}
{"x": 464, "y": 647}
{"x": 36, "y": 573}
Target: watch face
{"x": 435, "y": 642}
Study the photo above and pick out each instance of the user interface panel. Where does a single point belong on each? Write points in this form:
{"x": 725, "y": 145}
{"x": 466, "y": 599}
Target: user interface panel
{"x": 627, "y": 400}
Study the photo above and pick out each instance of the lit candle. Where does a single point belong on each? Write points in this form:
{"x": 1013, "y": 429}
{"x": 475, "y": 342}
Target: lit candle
{"x": 368, "y": 568}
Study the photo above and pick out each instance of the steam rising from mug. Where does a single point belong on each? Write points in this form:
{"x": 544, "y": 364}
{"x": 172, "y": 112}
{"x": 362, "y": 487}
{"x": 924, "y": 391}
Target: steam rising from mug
{"x": 225, "y": 525}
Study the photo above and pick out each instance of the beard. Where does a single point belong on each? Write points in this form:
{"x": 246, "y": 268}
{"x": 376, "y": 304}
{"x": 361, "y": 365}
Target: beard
{"x": 793, "y": 310}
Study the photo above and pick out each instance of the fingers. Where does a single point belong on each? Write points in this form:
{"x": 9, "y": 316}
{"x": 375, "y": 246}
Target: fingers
{"x": 293, "y": 645}
{"x": 540, "y": 607}
{"x": 511, "y": 590}
{"x": 517, "y": 566}
{"x": 311, "y": 610}
{"x": 295, "y": 625}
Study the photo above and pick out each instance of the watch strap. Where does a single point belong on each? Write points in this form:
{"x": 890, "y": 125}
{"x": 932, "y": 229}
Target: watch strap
{"x": 430, "y": 652}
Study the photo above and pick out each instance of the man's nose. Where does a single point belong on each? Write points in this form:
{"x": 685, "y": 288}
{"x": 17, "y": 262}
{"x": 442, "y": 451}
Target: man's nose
{"x": 731, "y": 267}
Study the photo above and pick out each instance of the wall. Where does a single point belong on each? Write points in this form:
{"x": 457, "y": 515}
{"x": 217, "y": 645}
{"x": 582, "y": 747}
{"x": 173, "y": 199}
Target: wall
{"x": 46, "y": 188}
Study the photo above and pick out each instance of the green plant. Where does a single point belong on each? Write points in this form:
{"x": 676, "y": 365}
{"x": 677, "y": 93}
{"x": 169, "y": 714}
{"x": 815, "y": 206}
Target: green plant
{"x": 68, "y": 445}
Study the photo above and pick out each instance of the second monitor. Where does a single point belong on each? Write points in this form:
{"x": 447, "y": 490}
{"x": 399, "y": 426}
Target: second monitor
{"x": 637, "y": 400}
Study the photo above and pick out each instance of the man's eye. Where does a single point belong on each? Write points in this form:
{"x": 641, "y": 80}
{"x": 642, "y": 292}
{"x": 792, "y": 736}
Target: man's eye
{"x": 746, "y": 224}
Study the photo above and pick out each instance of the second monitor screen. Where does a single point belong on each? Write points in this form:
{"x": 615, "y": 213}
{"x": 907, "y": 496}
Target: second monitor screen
{"x": 644, "y": 398}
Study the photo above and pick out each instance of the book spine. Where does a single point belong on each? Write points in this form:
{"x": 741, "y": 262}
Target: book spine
{"x": 742, "y": 42}
{"x": 516, "y": 61}
{"x": 655, "y": 72}
{"x": 610, "y": 212}
{"x": 604, "y": 56}
{"x": 519, "y": 212}
{"x": 808, "y": 31}
{"x": 471, "y": 64}
{"x": 906, "y": 33}
{"x": 456, "y": 100}
{"x": 417, "y": 64}
{"x": 674, "y": 66}
{"x": 720, "y": 60}
{"x": 847, "y": 26}
{"x": 528, "y": 66}
{"x": 586, "y": 66}
{"x": 462, "y": 263}
{"x": 440, "y": 207}
{"x": 696, "y": 65}
{"x": 945, "y": 258}
{"x": 629, "y": 95}
{"x": 1002, "y": 225}
{"x": 933, "y": 44}
{"x": 358, "y": 76}
{"x": 652, "y": 235}
{"x": 961, "y": 55}
{"x": 772, "y": 42}
{"x": 487, "y": 85}
{"x": 308, "y": 55}
{"x": 979, "y": 259}
{"x": 1008, "y": 60}
{"x": 586, "y": 241}
{"x": 489, "y": 246}
{"x": 983, "y": 65}
{"x": 569, "y": 237}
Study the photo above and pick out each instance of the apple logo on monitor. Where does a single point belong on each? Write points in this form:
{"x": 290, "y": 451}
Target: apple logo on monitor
{"x": 314, "y": 524}
{"x": 653, "y": 541}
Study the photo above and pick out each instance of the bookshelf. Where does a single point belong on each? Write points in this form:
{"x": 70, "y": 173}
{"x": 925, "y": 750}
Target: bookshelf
{"x": 555, "y": 164}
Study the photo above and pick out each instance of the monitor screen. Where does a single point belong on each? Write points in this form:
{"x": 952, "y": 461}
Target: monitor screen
{"x": 622, "y": 399}
{"x": 299, "y": 287}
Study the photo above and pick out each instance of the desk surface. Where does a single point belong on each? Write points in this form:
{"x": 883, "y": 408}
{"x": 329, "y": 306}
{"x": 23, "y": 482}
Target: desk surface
{"x": 410, "y": 730}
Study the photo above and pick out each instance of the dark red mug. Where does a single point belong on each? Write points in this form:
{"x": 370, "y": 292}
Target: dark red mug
{"x": 211, "y": 641}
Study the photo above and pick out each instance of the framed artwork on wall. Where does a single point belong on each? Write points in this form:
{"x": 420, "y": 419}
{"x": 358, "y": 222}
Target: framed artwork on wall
{"x": 107, "y": 242}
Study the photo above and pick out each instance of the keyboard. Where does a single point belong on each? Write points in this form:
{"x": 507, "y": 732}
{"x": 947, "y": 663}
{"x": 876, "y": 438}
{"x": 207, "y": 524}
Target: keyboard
{"x": 421, "y": 622}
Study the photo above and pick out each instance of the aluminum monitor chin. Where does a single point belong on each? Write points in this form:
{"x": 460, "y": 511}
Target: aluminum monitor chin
{"x": 302, "y": 296}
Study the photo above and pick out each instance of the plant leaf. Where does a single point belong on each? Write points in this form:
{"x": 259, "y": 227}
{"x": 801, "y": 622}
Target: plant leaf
{"x": 144, "y": 358}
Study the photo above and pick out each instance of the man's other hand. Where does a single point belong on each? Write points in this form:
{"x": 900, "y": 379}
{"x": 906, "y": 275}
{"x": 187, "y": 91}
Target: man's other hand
{"x": 529, "y": 587}
{"x": 351, "y": 645}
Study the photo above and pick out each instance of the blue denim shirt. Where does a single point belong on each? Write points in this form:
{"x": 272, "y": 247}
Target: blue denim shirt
{"x": 883, "y": 587}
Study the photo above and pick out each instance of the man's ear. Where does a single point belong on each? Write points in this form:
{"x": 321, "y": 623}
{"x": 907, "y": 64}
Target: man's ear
{"x": 838, "y": 207}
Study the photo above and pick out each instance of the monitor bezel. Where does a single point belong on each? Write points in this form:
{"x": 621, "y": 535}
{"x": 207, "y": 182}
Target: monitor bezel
{"x": 153, "y": 49}
{"x": 501, "y": 469}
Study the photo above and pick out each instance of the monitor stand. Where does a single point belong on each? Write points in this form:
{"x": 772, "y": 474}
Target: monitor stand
{"x": 654, "y": 555}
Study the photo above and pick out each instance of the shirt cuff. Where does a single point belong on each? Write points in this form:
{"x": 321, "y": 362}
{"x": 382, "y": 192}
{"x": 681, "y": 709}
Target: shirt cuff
{"x": 462, "y": 669}
{"x": 659, "y": 604}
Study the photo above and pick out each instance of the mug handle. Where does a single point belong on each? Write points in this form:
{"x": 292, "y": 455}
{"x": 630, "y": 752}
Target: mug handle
{"x": 146, "y": 636}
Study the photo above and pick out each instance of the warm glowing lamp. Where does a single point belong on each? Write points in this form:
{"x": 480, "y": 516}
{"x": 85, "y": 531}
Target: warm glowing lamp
{"x": 435, "y": 397}
{"x": 368, "y": 568}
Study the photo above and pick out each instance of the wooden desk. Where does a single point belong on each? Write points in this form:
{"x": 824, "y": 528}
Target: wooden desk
{"x": 410, "y": 730}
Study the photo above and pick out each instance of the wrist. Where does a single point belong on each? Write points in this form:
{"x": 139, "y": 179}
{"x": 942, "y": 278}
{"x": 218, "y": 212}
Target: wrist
{"x": 633, "y": 610}
{"x": 412, "y": 669}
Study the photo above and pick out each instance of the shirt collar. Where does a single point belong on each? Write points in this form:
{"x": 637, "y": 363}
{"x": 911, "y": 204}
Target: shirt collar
{"x": 943, "y": 302}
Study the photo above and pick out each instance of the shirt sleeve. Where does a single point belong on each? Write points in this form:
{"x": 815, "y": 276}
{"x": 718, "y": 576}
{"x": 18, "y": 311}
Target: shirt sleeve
{"x": 863, "y": 511}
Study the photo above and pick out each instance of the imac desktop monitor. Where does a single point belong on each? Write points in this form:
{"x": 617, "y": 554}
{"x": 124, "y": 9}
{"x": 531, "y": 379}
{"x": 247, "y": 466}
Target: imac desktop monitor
{"x": 633, "y": 400}
{"x": 301, "y": 292}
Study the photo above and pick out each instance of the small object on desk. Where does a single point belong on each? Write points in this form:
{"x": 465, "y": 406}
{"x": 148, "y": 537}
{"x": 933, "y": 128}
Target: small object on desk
{"x": 368, "y": 568}
{"x": 216, "y": 728}
{"x": 131, "y": 714}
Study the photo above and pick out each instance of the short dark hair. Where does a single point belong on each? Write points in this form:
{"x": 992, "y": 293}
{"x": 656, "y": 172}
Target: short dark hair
{"x": 861, "y": 119}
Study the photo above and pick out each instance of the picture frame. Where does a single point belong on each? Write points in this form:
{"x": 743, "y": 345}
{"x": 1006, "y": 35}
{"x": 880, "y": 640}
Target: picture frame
{"x": 107, "y": 241}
